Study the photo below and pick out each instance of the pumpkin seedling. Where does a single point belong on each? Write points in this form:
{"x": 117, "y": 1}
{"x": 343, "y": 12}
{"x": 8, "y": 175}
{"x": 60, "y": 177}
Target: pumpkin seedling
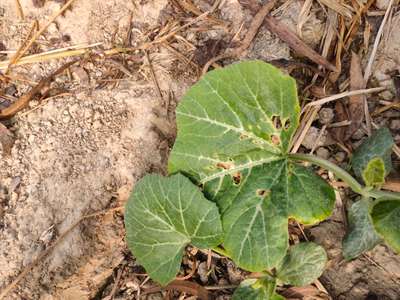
{"x": 234, "y": 185}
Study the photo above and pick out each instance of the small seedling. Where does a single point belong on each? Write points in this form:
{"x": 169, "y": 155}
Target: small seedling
{"x": 234, "y": 186}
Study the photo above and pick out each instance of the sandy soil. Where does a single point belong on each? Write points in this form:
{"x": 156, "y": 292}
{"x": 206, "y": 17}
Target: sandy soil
{"x": 84, "y": 151}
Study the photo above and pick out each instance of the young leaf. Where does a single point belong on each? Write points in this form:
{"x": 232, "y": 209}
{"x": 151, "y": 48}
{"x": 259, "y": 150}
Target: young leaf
{"x": 165, "y": 214}
{"x": 234, "y": 131}
{"x": 374, "y": 173}
{"x": 385, "y": 216}
{"x": 361, "y": 236}
{"x": 303, "y": 264}
{"x": 257, "y": 289}
{"x": 379, "y": 144}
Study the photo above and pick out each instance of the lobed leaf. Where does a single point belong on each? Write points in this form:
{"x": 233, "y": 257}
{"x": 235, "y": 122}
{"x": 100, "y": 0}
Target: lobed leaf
{"x": 234, "y": 130}
{"x": 303, "y": 264}
{"x": 162, "y": 216}
{"x": 361, "y": 235}
{"x": 385, "y": 216}
{"x": 379, "y": 144}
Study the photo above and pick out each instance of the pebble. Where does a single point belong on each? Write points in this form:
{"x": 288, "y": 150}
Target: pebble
{"x": 132, "y": 285}
{"x": 340, "y": 156}
{"x": 66, "y": 119}
{"x": 234, "y": 273}
{"x": 312, "y": 136}
{"x": 203, "y": 272}
{"x": 326, "y": 115}
{"x": 322, "y": 152}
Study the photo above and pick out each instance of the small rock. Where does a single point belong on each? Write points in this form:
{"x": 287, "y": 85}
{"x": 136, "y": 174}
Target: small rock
{"x": 323, "y": 153}
{"x": 311, "y": 138}
{"x": 14, "y": 197}
{"x": 133, "y": 285}
{"x": 326, "y": 115}
{"x": 203, "y": 272}
{"x": 394, "y": 124}
{"x": 235, "y": 275}
{"x": 340, "y": 156}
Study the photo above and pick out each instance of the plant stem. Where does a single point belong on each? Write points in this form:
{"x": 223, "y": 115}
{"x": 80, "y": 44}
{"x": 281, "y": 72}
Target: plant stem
{"x": 384, "y": 194}
{"x": 346, "y": 177}
{"x": 339, "y": 172}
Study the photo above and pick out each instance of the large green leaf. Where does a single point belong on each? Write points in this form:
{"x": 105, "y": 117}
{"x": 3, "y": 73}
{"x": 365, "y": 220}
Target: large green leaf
{"x": 361, "y": 234}
{"x": 163, "y": 215}
{"x": 234, "y": 131}
{"x": 257, "y": 289}
{"x": 385, "y": 216}
{"x": 303, "y": 264}
{"x": 379, "y": 144}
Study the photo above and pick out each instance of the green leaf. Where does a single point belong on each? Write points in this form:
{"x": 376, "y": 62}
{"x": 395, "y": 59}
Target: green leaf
{"x": 256, "y": 222}
{"x": 361, "y": 235}
{"x": 256, "y": 289}
{"x": 303, "y": 264}
{"x": 379, "y": 144}
{"x": 165, "y": 214}
{"x": 385, "y": 216}
{"x": 234, "y": 131}
{"x": 374, "y": 173}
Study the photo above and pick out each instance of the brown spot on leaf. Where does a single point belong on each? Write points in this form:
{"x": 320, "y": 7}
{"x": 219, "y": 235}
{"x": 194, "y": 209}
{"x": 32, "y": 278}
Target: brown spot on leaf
{"x": 237, "y": 177}
{"x": 275, "y": 140}
{"x": 263, "y": 193}
{"x": 224, "y": 165}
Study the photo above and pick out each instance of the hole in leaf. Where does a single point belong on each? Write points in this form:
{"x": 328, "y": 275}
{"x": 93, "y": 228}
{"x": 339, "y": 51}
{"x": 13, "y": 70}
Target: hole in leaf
{"x": 237, "y": 177}
{"x": 262, "y": 193}
{"x": 277, "y": 122}
{"x": 287, "y": 124}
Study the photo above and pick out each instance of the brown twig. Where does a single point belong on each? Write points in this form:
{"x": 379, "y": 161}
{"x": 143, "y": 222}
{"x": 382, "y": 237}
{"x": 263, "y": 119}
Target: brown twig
{"x": 190, "y": 275}
{"x": 184, "y": 286}
{"x": 282, "y": 31}
{"x": 154, "y": 78}
{"x": 23, "y": 101}
{"x": 296, "y": 43}
{"x": 19, "y": 9}
{"x": 116, "y": 283}
{"x": 345, "y": 94}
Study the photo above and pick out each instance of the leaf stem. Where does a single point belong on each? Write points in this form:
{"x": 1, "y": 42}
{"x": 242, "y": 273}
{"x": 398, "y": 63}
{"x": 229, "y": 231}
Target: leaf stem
{"x": 345, "y": 176}
{"x": 339, "y": 172}
{"x": 384, "y": 194}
